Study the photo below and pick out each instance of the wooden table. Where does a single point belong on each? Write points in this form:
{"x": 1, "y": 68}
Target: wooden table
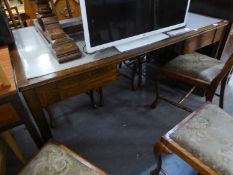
{"x": 45, "y": 90}
{"x": 12, "y": 110}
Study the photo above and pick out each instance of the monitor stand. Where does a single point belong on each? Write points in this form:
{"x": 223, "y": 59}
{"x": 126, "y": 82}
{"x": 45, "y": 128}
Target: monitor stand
{"x": 141, "y": 42}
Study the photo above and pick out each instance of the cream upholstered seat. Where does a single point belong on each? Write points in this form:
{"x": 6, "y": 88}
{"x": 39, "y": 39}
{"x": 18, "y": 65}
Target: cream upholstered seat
{"x": 199, "y": 71}
{"x": 209, "y": 137}
{"x": 58, "y": 160}
{"x": 196, "y": 65}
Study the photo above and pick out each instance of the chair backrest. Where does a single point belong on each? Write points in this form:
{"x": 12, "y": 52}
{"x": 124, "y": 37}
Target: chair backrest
{"x": 224, "y": 72}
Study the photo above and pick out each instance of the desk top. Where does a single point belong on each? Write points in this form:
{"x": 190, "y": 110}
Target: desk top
{"x": 35, "y": 65}
{"x": 6, "y": 65}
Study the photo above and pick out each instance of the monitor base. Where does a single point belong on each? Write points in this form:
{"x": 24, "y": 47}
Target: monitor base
{"x": 141, "y": 42}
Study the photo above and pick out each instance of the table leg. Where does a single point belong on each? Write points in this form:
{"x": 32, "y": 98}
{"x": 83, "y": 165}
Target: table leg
{"x": 38, "y": 114}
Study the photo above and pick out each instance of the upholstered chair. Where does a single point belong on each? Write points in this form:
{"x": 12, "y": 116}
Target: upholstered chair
{"x": 198, "y": 70}
{"x": 204, "y": 140}
{"x": 57, "y": 159}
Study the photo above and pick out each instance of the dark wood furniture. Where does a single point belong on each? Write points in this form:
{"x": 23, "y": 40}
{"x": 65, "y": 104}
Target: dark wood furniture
{"x": 48, "y": 89}
{"x": 197, "y": 141}
{"x": 178, "y": 69}
{"x": 63, "y": 47}
{"x": 58, "y": 159}
{"x": 219, "y": 9}
{"x": 13, "y": 112}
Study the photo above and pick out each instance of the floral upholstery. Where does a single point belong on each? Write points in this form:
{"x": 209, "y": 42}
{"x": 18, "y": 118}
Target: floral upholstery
{"x": 209, "y": 137}
{"x": 196, "y": 65}
{"x": 53, "y": 160}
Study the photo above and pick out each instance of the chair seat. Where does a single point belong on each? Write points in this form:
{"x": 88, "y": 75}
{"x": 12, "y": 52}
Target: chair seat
{"x": 209, "y": 137}
{"x": 54, "y": 160}
{"x": 196, "y": 65}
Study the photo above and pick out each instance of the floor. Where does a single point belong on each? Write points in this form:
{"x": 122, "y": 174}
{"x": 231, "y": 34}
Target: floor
{"x": 118, "y": 137}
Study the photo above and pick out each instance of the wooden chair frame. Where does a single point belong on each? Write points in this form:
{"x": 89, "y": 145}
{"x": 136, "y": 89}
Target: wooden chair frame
{"x": 167, "y": 145}
{"x": 210, "y": 88}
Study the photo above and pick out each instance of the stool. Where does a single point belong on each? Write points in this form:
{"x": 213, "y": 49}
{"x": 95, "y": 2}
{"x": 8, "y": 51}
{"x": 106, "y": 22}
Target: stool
{"x": 204, "y": 140}
{"x": 56, "y": 159}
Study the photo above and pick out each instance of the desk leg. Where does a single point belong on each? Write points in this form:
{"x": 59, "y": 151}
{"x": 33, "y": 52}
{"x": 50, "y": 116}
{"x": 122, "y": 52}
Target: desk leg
{"x": 37, "y": 112}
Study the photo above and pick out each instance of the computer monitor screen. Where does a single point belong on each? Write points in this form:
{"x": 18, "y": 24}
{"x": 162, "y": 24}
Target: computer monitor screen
{"x": 106, "y": 22}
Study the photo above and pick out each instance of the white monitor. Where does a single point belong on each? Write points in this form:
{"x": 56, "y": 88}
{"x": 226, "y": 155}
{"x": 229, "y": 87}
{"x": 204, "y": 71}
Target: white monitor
{"x": 110, "y": 23}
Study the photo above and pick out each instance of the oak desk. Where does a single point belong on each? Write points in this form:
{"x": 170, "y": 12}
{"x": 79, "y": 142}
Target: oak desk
{"x": 48, "y": 88}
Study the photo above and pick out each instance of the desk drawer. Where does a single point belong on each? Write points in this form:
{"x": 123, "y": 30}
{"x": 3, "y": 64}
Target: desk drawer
{"x": 200, "y": 41}
{"x": 75, "y": 85}
{"x": 8, "y": 115}
{"x": 87, "y": 81}
{"x": 48, "y": 94}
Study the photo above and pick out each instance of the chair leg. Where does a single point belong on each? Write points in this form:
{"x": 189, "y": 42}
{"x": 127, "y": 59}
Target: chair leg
{"x": 157, "y": 91}
{"x": 159, "y": 166}
{"x": 120, "y": 65}
{"x": 222, "y": 91}
{"x": 51, "y": 117}
{"x": 92, "y": 98}
{"x": 139, "y": 72}
{"x": 134, "y": 71}
{"x": 159, "y": 148}
{"x": 210, "y": 93}
{"x": 101, "y": 97}
{"x": 8, "y": 138}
